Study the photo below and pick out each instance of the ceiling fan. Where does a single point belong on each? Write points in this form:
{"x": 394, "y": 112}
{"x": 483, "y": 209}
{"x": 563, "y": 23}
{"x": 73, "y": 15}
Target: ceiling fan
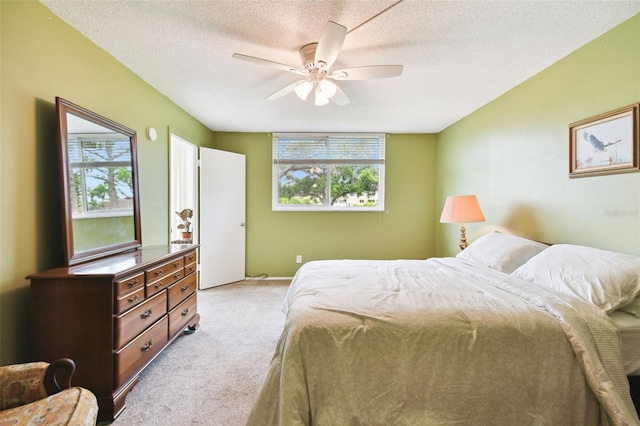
{"x": 317, "y": 60}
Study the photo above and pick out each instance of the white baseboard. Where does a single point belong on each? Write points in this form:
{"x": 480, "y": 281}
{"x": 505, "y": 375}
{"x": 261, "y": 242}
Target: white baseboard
{"x": 269, "y": 278}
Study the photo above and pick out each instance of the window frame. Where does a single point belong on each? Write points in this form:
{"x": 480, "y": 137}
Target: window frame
{"x": 379, "y": 162}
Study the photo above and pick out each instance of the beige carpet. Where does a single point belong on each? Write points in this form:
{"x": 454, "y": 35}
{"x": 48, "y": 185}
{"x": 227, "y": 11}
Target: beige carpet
{"x": 212, "y": 376}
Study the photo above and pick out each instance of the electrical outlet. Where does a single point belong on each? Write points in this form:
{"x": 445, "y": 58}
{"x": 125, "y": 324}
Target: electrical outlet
{"x": 299, "y": 258}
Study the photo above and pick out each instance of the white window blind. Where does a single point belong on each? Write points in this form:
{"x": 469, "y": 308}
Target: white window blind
{"x": 338, "y": 149}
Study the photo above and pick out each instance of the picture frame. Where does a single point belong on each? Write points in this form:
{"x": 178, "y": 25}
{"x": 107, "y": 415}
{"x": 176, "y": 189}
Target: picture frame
{"x": 605, "y": 144}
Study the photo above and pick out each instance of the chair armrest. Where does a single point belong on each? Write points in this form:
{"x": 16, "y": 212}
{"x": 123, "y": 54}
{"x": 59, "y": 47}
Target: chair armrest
{"x": 58, "y": 375}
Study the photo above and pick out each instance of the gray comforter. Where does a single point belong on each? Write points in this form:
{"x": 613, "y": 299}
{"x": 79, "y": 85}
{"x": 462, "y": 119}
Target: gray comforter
{"x": 439, "y": 342}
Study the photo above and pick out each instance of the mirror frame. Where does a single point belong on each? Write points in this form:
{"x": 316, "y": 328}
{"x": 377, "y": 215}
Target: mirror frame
{"x": 71, "y": 256}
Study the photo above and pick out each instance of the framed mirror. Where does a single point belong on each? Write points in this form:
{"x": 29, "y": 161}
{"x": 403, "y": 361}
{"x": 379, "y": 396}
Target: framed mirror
{"x": 99, "y": 178}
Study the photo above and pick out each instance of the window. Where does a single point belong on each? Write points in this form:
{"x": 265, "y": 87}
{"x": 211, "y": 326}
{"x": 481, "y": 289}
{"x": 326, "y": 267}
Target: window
{"x": 101, "y": 181}
{"x": 335, "y": 172}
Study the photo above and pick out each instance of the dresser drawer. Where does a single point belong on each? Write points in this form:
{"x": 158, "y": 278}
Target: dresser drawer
{"x": 140, "y": 351}
{"x": 190, "y": 268}
{"x": 164, "y": 270}
{"x": 180, "y": 290}
{"x": 130, "y": 324}
{"x": 179, "y": 317}
{"x": 128, "y": 301}
{"x": 190, "y": 258}
{"x": 156, "y": 286}
{"x": 128, "y": 284}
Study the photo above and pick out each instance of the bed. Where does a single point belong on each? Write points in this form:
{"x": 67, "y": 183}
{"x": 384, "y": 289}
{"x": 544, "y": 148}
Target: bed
{"x": 629, "y": 329}
{"x": 510, "y": 331}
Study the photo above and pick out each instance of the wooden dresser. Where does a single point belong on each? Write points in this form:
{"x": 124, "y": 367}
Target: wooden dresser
{"x": 113, "y": 316}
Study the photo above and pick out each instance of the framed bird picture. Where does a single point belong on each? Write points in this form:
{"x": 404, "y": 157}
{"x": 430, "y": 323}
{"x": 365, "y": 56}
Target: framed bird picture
{"x": 605, "y": 144}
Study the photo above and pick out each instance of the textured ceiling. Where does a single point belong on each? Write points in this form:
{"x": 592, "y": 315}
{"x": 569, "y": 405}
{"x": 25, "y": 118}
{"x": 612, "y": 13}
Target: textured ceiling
{"x": 457, "y": 55}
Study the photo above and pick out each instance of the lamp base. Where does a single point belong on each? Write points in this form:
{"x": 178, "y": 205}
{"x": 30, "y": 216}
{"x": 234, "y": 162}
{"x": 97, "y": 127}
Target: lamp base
{"x": 463, "y": 238}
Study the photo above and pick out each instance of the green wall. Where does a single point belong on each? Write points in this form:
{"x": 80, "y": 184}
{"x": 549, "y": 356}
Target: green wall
{"x": 405, "y": 230}
{"x": 514, "y": 153}
{"x": 42, "y": 57}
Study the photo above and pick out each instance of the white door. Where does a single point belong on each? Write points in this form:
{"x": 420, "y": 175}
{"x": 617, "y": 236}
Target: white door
{"x": 222, "y": 217}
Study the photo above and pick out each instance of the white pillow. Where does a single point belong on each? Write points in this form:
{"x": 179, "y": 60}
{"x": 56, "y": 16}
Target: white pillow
{"x": 606, "y": 279}
{"x": 502, "y": 252}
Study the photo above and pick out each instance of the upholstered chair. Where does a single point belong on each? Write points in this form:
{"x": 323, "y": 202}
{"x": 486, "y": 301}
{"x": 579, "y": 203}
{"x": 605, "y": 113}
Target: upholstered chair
{"x": 41, "y": 393}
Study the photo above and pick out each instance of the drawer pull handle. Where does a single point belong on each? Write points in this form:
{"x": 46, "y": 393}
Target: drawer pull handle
{"x": 176, "y": 264}
{"x": 146, "y": 314}
{"x": 133, "y": 283}
{"x": 185, "y": 312}
{"x": 157, "y": 286}
{"x": 133, "y": 299}
{"x": 158, "y": 272}
{"x": 176, "y": 275}
{"x": 146, "y": 346}
{"x": 184, "y": 288}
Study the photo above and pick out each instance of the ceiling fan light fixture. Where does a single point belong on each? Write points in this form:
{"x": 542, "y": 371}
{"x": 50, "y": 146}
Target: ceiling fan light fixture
{"x": 303, "y": 89}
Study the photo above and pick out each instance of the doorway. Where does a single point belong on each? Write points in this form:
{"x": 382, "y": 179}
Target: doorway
{"x": 183, "y": 186}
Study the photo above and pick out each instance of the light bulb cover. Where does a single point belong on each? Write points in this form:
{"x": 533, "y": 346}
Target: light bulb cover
{"x": 328, "y": 88}
{"x": 321, "y": 98}
{"x": 303, "y": 89}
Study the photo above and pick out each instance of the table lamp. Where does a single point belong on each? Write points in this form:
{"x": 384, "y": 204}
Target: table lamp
{"x": 461, "y": 209}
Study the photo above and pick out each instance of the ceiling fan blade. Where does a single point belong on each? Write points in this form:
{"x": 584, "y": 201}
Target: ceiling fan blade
{"x": 330, "y": 43}
{"x": 340, "y": 98}
{"x": 282, "y": 92}
{"x": 367, "y": 73}
{"x": 272, "y": 64}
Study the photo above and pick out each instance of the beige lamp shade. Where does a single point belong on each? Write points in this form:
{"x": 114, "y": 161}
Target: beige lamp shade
{"x": 461, "y": 209}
